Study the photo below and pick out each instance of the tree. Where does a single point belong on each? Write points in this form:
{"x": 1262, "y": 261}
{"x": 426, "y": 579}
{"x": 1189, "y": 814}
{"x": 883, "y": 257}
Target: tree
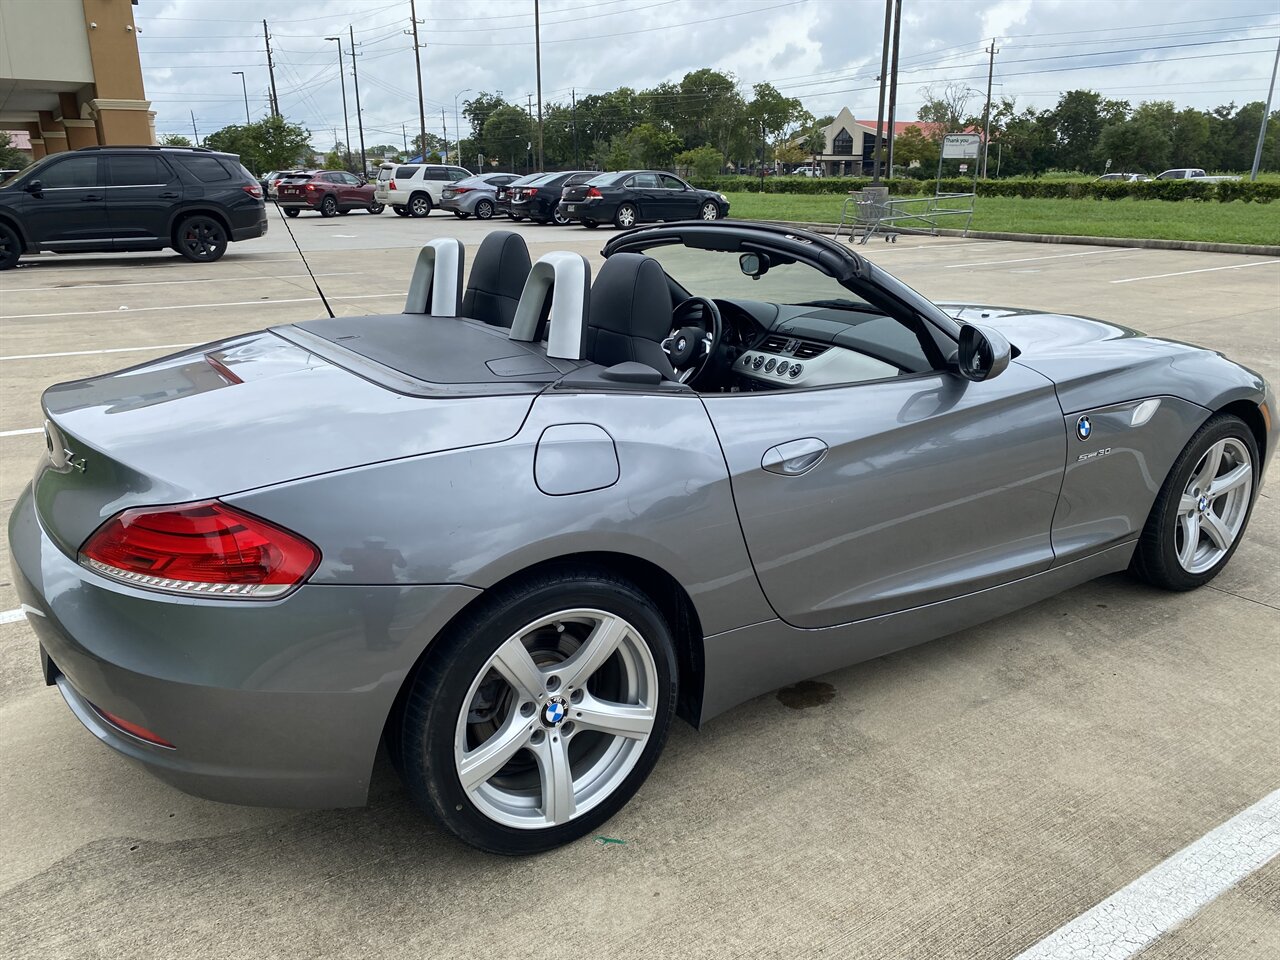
{"x": 1077, "y": 122}
{"x": 11, "y": 158}
{"x": 947, "y": 107}
{"x": 269, "y": 144}
{"x": 704, "y": 161}
{"x": 1191, "y": 146}
{"x": 478, "y": 109}
{"x": 506, "y": 134}
{"x": 789, "y": 152}
{"x": 815, "y": 140}
{"x": 912, "y": 147}
{"x": 1144, "y": 141}
{"x": 653, "y": 147}
{"x": 334, "y": 159}
{"x": 175, "y": 140}
{"x": 434, "y": 144}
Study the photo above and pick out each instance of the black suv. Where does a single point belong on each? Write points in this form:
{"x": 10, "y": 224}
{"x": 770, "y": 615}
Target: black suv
{"x": 107, "y": 199}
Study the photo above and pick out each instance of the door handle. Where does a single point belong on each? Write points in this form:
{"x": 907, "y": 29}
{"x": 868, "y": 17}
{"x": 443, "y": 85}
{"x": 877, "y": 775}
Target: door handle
{"x": 169, "y": 196}
{"x": 794, "y": 457}
{"x": 90, "y": 196}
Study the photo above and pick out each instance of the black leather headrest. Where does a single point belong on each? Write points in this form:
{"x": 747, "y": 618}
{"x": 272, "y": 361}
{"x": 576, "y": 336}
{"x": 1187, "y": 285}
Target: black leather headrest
{"x": 630, "y": 296}
{"x": 497, "y": 278}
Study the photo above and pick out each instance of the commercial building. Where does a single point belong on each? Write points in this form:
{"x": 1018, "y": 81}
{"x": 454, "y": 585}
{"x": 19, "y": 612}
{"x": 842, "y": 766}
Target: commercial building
{"x": 70, "y": 75}
{"x": 849, "y": 144}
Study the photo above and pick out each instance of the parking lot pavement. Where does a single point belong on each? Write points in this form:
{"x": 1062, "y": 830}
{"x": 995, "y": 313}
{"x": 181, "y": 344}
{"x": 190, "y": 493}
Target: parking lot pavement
{"x": 962, "y": 799}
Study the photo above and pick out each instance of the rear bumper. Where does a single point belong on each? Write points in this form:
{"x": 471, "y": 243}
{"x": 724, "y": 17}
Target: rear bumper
{"x": 273, "y": 704}
{"x": 252, "y": 230}
{"x": 596, "y": 212}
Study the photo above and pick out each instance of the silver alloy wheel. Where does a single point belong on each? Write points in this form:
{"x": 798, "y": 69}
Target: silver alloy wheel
{"x": 710, "y": 211}
{"x": 560, "y": 219}
{"x": 574, "y": 692}
{"x": 484, "y": 210}
{"x": 1213, "y": 507}
{"x": 627, "y": 216}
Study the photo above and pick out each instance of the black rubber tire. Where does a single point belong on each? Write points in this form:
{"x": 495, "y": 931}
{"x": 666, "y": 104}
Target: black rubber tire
{"x": 329, "y": 206}
{"x": 484, "y": 210}
{"x": 200, "y": 239}
{"x": 617, "y": 216}
{"x": 1156, "y": 557}
{"x": 400, "y": 211}
{"x": 590, "y": 224}
{"x": 291, "y": 211}
{"x": 460, "y": 215}
{"x": 420, "y": 205}
{"x": 424, "y": 734}
{"x": 515, "y": 219}
{"x": 10, "y": 247}
{"x": 376, "y": 208}
{"x": 344, "y": 212}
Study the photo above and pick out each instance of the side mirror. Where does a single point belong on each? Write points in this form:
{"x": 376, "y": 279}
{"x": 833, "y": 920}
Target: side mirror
{"x": 34, "y": 187}
{"x": 983, "y": 353}
{"x": 754, "y": 265}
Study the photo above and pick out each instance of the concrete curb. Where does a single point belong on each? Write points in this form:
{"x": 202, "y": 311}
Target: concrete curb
{"x": 1248, "y": 249}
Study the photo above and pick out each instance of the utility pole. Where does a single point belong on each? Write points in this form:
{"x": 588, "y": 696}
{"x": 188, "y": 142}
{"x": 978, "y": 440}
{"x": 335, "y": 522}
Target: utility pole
{"x": 537, "y": 48}
{"x": 1266, "y": 112}
{"x": 404, "y": 133}
{"x": 893, "y": 77}
{"x": 529, "y": 108}
{"x": 355, "y": 76}
{"x": 445, "y": 127}
{"x": 193, "y": 127}
{"x": 986, "y": 115}
{"x": 573, "y": 96}
{"x": 884, "y": 79}
{"x": 271, "y": 69}
{"x": 417, "y": 60}
{"x": 245, "y": 90}
{"x": 342, "y": 75}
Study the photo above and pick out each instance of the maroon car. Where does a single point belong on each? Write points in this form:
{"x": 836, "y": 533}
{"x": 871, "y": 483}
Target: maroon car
{"x": 330, "y": 191}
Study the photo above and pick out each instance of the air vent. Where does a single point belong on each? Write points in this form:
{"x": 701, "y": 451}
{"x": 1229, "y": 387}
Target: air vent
{"x": 773, "y": 344}
{"x": 807, "y": 351}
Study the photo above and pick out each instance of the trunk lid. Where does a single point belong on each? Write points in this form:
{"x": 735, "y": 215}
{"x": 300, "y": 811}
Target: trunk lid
{"x": 575, "y": 193}
{"x": 239, "y": 414}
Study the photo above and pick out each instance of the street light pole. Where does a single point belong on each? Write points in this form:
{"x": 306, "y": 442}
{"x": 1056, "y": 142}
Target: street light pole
{"x": 244, "y": 87}
{"x": 457, "y": 127}
{"x": 342, "y": 75}
{"x": 537, "y": 47}
{"x": 1266, "y": 112}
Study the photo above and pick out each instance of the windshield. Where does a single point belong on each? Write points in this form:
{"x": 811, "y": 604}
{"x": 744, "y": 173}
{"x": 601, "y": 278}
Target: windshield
{"x": 718, "y": 274}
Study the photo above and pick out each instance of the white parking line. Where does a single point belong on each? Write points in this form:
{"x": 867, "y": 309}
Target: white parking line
{"x": 85, "y": 353}
{"x": 199, "y": 306}
{"x": 12, "y": 616}
{"x": 1171, "y": 892}
{"x": 21, "y": 433}
{"x": 1183, "y": 273}
{"x": 1056, "y": 256}
{"x": 200, "y": 280}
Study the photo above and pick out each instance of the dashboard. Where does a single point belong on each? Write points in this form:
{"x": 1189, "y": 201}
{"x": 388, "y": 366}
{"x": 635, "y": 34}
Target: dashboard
{"x": 774, "y": 346}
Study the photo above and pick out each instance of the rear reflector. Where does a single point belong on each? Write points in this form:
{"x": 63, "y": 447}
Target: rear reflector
{"x": 142, "y": 733}
{"x": 205, "y": 548}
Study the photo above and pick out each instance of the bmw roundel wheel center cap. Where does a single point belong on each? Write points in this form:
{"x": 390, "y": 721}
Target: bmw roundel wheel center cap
{"x": 554, "y": 712}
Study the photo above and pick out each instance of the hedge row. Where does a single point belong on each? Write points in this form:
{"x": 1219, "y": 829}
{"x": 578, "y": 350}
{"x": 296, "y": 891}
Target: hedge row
{"x": 1224, "y": 191}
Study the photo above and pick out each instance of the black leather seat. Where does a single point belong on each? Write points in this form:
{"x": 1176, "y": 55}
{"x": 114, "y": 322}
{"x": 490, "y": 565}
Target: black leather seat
{"x": 630, "y": 314}
{"x": 497, "y": 277}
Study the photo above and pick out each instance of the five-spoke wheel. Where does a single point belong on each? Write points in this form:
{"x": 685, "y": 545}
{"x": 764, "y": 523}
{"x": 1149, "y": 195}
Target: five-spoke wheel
{"x": 541, "y": 714}
{"x": 1203, "y": 508}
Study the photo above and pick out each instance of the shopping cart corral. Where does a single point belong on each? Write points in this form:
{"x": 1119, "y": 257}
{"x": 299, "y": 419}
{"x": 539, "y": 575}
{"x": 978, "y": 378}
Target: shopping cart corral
{"x": 869, "y": 213}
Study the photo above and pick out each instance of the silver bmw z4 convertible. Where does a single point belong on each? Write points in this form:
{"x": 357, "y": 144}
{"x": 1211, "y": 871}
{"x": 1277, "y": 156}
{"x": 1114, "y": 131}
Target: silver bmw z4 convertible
{"x": 515, "y": 530}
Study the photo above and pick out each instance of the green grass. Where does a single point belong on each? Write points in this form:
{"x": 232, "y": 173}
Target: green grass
{"x": 1153, "y": 219}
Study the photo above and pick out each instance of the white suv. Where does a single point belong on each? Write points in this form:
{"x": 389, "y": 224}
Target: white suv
{"x": 413, "y": 189}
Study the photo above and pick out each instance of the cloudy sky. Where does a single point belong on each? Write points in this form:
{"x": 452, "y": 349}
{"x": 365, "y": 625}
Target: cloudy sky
{"x": 825, "y": 52}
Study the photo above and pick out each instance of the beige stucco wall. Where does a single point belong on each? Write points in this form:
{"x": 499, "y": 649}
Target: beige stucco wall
{"x": 44, "y": 40}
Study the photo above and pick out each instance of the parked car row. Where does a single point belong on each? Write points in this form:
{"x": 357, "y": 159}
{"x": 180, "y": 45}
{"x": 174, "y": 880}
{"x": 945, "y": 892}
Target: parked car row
{"x": 1178, "y": 173}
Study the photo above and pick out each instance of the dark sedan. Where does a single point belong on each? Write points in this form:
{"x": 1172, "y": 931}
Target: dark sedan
{"x": 636, "y": 196}
{"x": 503, "y": 196}
{"x": 539, "y": 200}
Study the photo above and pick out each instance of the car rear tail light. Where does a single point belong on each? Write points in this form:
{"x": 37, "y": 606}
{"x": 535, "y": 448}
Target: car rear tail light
{"x": 205, "y": 548}
{"x": 592, "y": 192}
{"x": 393, "y": 185}
{"x": 253, "y": 190}
{"x": 457, "y": 190}
{"x": 531, "y": 191}
{"x": 311, "y": 186}
{"x": 142, "y": 733}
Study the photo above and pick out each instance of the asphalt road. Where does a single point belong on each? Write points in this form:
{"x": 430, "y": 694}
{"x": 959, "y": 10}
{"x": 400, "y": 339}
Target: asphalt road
{"x": 962, "y": 799}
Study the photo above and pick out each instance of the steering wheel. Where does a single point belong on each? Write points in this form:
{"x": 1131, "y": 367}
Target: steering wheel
{"x": 696, "y": 331}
